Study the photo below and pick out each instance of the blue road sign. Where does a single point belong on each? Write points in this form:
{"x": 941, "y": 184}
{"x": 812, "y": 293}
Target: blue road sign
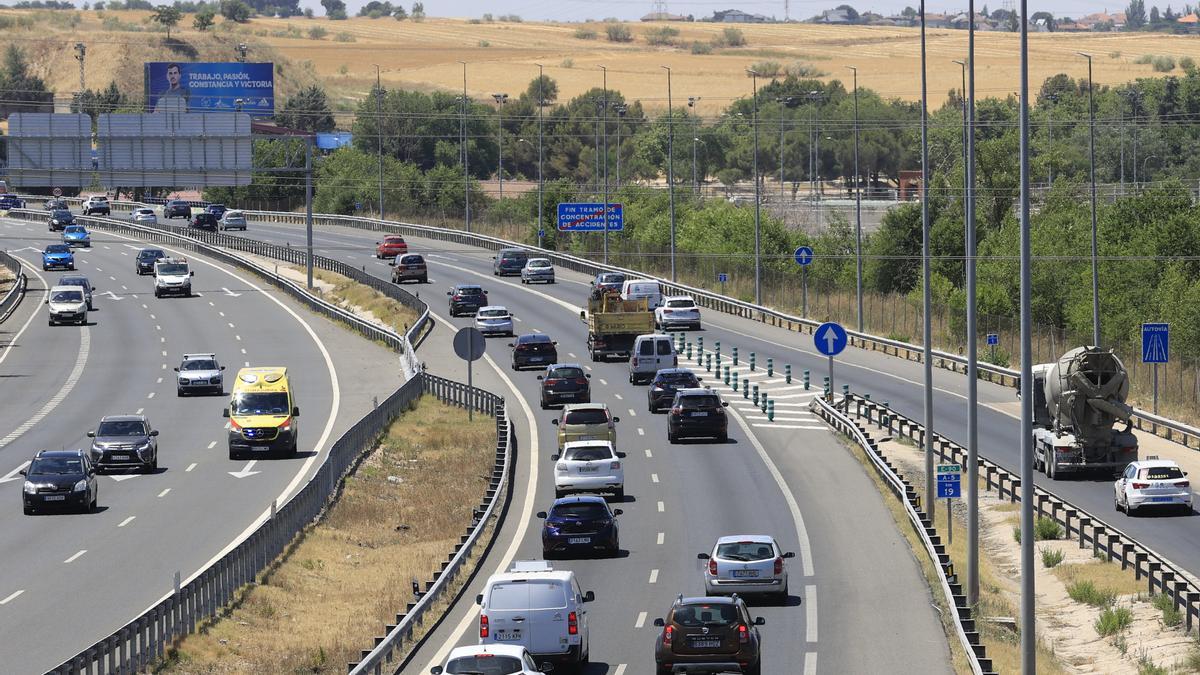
{"x": 804, "y": 256}
{"x": 830, "y": 338}
{"x": 1156, "y": 342}
{"x": 358, "y": 206}
{"x": 722, "y": 277}
{"x": 993, "y": 339}
{"x": 541, "y": 233}
{"x": 590, "y": 217}
{"x": 949, "y": 481}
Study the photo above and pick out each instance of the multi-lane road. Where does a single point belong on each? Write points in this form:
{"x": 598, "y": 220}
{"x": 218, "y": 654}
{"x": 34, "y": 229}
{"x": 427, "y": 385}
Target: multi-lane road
{"x": 67, "y": 580}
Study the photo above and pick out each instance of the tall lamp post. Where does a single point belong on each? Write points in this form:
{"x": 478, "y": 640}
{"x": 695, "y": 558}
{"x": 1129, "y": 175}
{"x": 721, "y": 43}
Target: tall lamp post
{"x": 1092, "y": 163}
{"x": 671, "y": 167}
{"x": 757, "y": 197}
{"x": 1027, "y": 626}
{"x": 972, "y": 330}
{"x": 604, "y": 123}
{"x": 858, "y": 263}
{"x": 541, "y": 103}
{"x": 379, "y": 134}
{"x": 462, "y": 130}
{"x": 693, "y": 102}
{"x": 927, "y": 332}
{"x": 620, "y": 109}
{"x": 501, "y": 99}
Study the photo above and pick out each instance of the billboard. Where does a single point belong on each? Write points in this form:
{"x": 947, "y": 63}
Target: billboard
{"x": 179, "y": 87}
{"x": 184, "y": 150}
{"x": 48, "y": 149}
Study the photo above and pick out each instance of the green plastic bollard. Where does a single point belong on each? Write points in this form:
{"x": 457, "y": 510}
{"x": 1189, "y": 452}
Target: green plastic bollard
{"x": 717, "y": 348}
{"x": 752, "y": 360}
{"x": 745, "y": 387}
{"x": 689, "y": 350}
{"x": 735, "y": 359}
{"x": 787, "y": 372}
{"x": 708, "y": 362}
{"x": 755, "y": 397}
{"x": 771, "y": 410}
{"x": 845, "y": 391}
{"x": 770, "y": 367}
{"x": 735, "y": 382}
{"x": 700, "y": 344}
{"x": 764, "y": 401}
{"x": 885, "y": 419}
{"x": 806, "y": 379}
{"x": 726, "y": 372}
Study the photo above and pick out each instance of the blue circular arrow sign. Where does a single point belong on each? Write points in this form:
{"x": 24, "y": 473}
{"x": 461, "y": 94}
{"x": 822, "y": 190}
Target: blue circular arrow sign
{"x": 830, "y": 338}
{"x": 804, "y": 255}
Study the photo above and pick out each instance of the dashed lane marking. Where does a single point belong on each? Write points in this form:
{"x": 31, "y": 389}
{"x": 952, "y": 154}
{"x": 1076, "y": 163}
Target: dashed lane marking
{"x": 661, "y": 537}
{"x": 74, "y": 557}
{"x": 641, "y": 619}
{"x": 190, "y": 466}
{"x": 654, "y": 576}
{"x": 126, "y": 521}
{"x": 85, "y": 345}
{"x": 12, "y": 597}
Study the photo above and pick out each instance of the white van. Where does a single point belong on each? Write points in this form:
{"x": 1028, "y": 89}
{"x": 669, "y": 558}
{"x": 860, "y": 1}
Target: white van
{"x": 650, "y": 354}
{"x": 539, "y": 608}
{"x": 636, "y": 289}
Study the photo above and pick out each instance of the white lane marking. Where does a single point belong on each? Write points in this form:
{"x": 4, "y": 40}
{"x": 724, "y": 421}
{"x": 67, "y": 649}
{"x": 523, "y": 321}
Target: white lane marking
{"x": 231, "y": 325}
{"x": 810, "y": 616}
{"x": 211, "y": 303}
{"x": 618, "y": 397}
{"x": 243, "y": 350}
{"x": 632, "y": 413}
{"x": 661, "y": 507}
{"x": 74, "y": 557}
{"x": 620, "y": 669}
{"x": 527, "y": 506}
{"x": 653, "y": 478}
{"x": 641, "y": 431}
{"x": 159, "y": 381}
{"x": 604, "y": 381}
{"x": 124, "y": 477}
{"x": 212, "y": 444}
{"x": 162, "y": 339}
{"x": 124, "y": 287}
{"x": 661, "y": 537}
{"x": 32, "y": 315}
{"x": 778, "y": 418}
{"x": 570, "y": 354}
{"x": 126, "y": 521}
{"x": 111, "y": 277}
{"x": 654, "y": 576}
{"x": 190, "y": 467}
{"x": 11, "y": 597}
{"x": 648, "y": 453}
{"x": 588, "y": 368}
{"x": 85, "y": 345}
{"x": 15, "y": 474}
{"x": 164, "y": 352}
{"x": 223, "y": 314}
{"x": 238, "y": 337}
{"x": 139, "y": 411}
{"x": 810, "y": 663}
{"x": 641, "y": 620}
{"x": 163, "y": 493}
{"x": 245, "y": 472}
{"x": 151, "y": 395}
{"x": 771, "y": 425}
{"x": 164, "y": 366}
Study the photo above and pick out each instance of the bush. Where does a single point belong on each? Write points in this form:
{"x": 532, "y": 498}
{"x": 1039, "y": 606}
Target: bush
{"x": 1171, "y": 616}
{"x": 616, "y": 32}
{"x": 317, "y": 33}
{"x": 511, "y": 18}
{"x": 662, "y": 36}
{"x": 344, "y": 37}
{"x": 1164, "y": 64}
{"x": 1051, "y": 557}
{"x": 1144, "y": 60}
{"x": 487, "y": 18}
{"x": 733, "y": 37}
{"x": 767, "y": 69}
{"x": 701, "y": 48}
{"x": 484, "y": 43}
{"x": 585, "y": 34}
{"x": 803, "y": 70}
{"x": 1047, "y": 528}
{"x": 568, "y": 63}
{"x": 1086, "y": 592}
{"x": 1113, "y": 620}
{"x": 1187, "y": 63}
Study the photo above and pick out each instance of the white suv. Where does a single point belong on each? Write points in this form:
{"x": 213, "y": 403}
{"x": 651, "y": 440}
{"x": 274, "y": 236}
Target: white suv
{"x": 508, "y": 659}
{"x": 96, "y": 204}
{"x": 677, "y": 311}
{"x": 589, "y": 466}
{"x": 537, "y": 607}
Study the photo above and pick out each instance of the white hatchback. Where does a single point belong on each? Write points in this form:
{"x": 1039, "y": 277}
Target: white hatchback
{"x": 494, "y": 320}
{"x": 589, "y": 466}
{"x": 1152, "y": 482}
{"x": 677, "y": 311}
{"x": 491, "y": 660}
{"x": 144, "y": 216}
{"x": 744, "y": 564}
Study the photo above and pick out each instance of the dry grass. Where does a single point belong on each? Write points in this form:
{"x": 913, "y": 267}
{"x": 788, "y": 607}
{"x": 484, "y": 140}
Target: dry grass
{"x": 348, "y": 576}
{"x": 1103, "y": 574}
{"x": 425, "y": 55}
{"x": 366, "y": 300}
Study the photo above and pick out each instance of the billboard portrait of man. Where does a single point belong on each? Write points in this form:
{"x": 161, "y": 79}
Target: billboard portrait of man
{"x": 174, "y": 99}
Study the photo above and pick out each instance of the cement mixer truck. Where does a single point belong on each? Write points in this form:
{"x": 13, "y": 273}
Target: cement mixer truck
{"x": 1077, "y": 400}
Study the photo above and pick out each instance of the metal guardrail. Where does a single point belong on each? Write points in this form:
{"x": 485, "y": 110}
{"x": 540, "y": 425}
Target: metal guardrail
{"x": 8, "y": 304}
{"x": 963, "y": 615}
{"x": 1162, "y": 575}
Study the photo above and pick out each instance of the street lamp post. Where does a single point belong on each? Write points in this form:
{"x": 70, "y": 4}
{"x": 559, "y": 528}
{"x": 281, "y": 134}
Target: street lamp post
{"x": 501, "y": 99}
{"x": 604, "y": 123}
{"x": 541, "y": 103}
{"x": 462, "y": 130}
{"x": 671, "y": 167}
{"x": 858, "y": 262}
{"x": 1027, "y": 626}
{"x": 692, "y": 103}
{"x": 620, "y": 109}
{"x": 972, "y": 331}
{"x": 1092, "y": 163}
{"x": 379, "y": 134}
{"x": 927, "y": 332}
{"x": 757, "y": 197}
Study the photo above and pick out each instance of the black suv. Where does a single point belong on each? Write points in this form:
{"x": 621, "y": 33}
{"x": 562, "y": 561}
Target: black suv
{"x": 144, "y": 263}
{"x": 59, "y": 479}
{"x": 565, "y": 382}
{"x": 60, "y": 219}
{"x": 709, "y": 635}
{"x": 204, "y": 221}
{"x": 177, "y": 208}
{"x": 697, "y": 413}
{"x": 466, "y": 299}
{"x": 125, "y": 441}
{"x": 664, "y": 385}
{"x": 533, "y": 349}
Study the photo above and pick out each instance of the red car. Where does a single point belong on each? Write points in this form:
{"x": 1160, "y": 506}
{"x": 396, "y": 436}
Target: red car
{"x": 391, "y": 246}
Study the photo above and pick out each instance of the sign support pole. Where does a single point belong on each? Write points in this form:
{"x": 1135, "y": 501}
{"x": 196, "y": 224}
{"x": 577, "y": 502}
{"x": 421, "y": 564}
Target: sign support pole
{"x": 1155, "y": 407}
{"x": 470, "y": 364}
{"x": 308, "y": 209}
{"x": 831, "y": 399}
{"x": 804, "y": 291}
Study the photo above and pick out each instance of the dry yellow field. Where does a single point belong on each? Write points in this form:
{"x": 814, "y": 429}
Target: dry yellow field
{"x": 503, "y": 56}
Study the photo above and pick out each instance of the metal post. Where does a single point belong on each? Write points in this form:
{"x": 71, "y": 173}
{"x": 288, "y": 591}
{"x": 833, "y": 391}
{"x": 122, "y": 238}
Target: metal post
{"x": 858, "y": 264}
{"x": 541, "y": 103}
{"x": 308, "y": 208}
{"x": 1028, "y": 624}
{"x": 972, "y": 332}
{"x": 804, "y": 291}
{"x": 470, "y": 382}
{"x": 692, "y": 103}
{"x": 757, "y": 199}
{"x": 501, "y": 99}
{"x": 1155, "y": 407}
{"x": 927, "y": 347}
{"x": 621, "y": 109}
{"x": 80, "y": 54}
{"x": 379, "y": 134}
{"x": 462, "y": 126}
{"x": 604, "y": 123}
{"x": 671, "y": 167}
{"x": 781, "y": 190}
{"x": 1092, "y": 163}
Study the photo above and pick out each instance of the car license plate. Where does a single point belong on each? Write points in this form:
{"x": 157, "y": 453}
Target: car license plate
{"x": 56, "y": 498}
{"x": 700, "y": 414}
{"x": 1161, "y": 499}
{"x": 588, "y": 469}
{"x": 706, "y": 643}
{"x": 745, "y": 573}
{"x": 120, "y": 458}
{"x": 533, "y": 359}
{"x": 579, "y": 540}
{"x": 507, "y": 635}
{"x": 199, "y": 381}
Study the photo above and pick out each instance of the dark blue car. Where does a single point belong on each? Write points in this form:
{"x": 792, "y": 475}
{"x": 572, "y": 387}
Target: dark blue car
{"x": 583, "y": 523}
{"x": 58, "y": 256}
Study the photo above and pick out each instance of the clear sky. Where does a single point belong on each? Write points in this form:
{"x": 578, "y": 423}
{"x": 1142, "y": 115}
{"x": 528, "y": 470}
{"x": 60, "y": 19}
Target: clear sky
{"x": 579, "y": 10}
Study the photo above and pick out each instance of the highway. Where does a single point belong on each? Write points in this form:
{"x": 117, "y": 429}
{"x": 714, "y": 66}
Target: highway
{"x": 792, "y": 479}
{"x": 68, "y": 580}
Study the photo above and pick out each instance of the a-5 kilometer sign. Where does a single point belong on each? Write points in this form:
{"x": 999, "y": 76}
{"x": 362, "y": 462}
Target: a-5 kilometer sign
{"x": 590, "y": 217}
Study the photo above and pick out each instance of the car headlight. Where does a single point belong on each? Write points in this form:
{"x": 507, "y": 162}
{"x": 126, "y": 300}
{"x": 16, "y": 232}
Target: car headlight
{"x": 551, "y": 529}
{"x": 81, "y": 485}
{"x": 30, "y": 488}
{"x": 144, "y": 445}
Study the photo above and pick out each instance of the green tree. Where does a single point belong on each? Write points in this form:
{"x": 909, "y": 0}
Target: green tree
{"x": 399, "y": 12}
{"x": 236, "y": 11}
{"x": 334, "y": 9}
{"x": 308, "y": 110}
{"x": 204, "y": 19}
{"x": 167, "y": 17}
{"x": 542, "y": 88}
{"x": 1135, "y": 15}
{"x": 20, "y": 89}
{"x": 418, "y": 11}
{"x": 94, "y": 103}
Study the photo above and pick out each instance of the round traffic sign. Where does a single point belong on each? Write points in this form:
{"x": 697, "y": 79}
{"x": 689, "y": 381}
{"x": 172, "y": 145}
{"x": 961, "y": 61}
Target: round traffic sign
{"x": 57, "y": 192}
{"x": 830, "y": 338}
{"x": 469, "y": 343}
{"x": 804, "y": 255}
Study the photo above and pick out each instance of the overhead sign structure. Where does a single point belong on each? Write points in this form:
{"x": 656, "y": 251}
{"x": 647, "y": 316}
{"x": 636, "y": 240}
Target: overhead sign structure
{"x": 804, "y": 256}
{"x": 48, "y": 149}
{"x": 590, "y": 217}
{"x": 1156, "y": 342}
{"x": 226, "y": 86}
{"x": 185, "y": 150}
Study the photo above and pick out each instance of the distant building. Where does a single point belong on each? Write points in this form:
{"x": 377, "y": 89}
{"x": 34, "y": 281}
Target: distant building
{"x": 838, "y": 17}
{"x": 738, "y": 16}
{"x": 663, "y": 16}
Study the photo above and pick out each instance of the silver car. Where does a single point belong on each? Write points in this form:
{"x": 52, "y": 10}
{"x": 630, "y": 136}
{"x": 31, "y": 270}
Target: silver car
{"x": 493, "y": 320}
{"x": 144, "y": 216}
{"x": 537, "y": 269}
{"x": 82, "y": 282}
{"x": 233, "y": 220}
{"x": 199, "y": 372}
{"x": 746, "y": 563}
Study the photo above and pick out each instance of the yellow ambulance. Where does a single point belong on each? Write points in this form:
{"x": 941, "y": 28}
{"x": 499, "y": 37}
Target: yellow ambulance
{"x": 262, "y": 413}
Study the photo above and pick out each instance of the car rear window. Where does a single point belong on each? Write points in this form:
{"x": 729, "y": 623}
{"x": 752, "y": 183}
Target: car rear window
{"x": 678, "y": 379}
{"x": 646, "y": 348}
{"x": 586, "y": 416}
{"x": 412, "y": 260}
{"x": 494, "y": 313}
{"x": 566, "y": 374}
{"x": 664, "y": 347}
{"x": 746, "y": 551}
{"x": 705, "y": 615}
{"x": 612, "y": 278}
{"x": 470, "y": 291}
{"x": 703, "y": 402}
{"x": 514, "y": 256}
{"x": 485, "y": 664}
{"x": 588, "y": 453}
{"x": 534, "y": 337}
{"x": 585, "y": 510}
{"x": 527, "y": 595}
{"x": 394, "y": 239}
{"x": 539, "y": 262}
{"x": 681, "y": 303}
{"x": 1161, "y": 473}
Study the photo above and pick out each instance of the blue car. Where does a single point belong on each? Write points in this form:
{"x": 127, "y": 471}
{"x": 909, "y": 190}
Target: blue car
{"x": 58, "y": 256}
{"x": 582, "y": 524}
{"x": 77, "y": 235}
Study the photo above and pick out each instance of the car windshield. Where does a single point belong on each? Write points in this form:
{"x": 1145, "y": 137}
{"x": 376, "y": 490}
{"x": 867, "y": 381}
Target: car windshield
{"x": 677, "y": 379}
{"x": 584, "y": 510}
{"x": 150, "y": 253}
{"x": 1161, "y": 473}
{"x": 122, "y": 428}
{"x": 566, "y": 373}
{"x": 57, "y": 248}
{"x": 199, "y": 364}
{"x": 260, "y": 403}
{"x": 467, "y": 290}
{"x": 494, "y": 313}
{"x": 485, "y": 664}
{"x": 705, "y": 615}
{"x": 172, "y": 268}
{"x": 746, "y": 551}
{"x": 67, "y": 296}
{"x": 588, "y": 453}
{"x": 514, "y": 256}
{"x": 56, "y": 466}
{"x": 61, "y": 214}
{"x": 75, "y": 229}
{"x": 586, "y": 416}
{"x": 699, "y": 402}
{"x": 681, "y": 303}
